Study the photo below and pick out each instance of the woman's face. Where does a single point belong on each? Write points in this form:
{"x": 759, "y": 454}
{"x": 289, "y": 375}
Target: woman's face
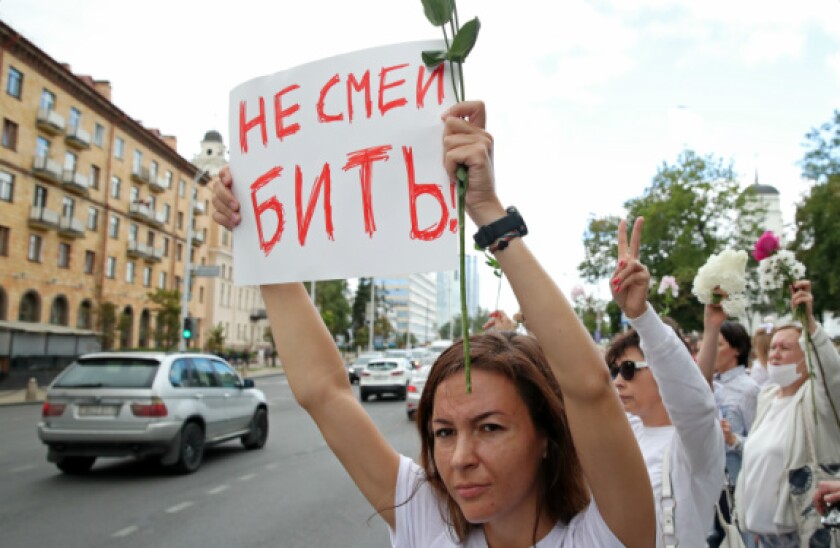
{"x": 727, "y": 357}
{"x": 785, "y": 349}
{"x": 486, "y": 448}
{"x": 640, "y": 396}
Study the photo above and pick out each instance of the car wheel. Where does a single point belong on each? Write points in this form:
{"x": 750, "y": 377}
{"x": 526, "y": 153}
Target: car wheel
{"x": 401, "y": 394}
{"x": 192, "y": 448}
{"x": 410, "y": 415}
{"x": 76, "y": 465}
{"x": 256, "y": 438}
{"x": 363, "y": 395}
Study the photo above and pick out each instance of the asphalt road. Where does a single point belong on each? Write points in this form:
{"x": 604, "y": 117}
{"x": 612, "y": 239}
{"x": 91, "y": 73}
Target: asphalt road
{"x": 292, "y": 493}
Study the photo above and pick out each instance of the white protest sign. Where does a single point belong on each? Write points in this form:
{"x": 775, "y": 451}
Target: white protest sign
{"x": 338, "y": 167}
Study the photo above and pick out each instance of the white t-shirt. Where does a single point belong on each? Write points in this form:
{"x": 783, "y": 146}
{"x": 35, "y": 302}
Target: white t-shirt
{"x": 764, "y": 458}
{"x": 420, "y": 524}
{"x": 653, "y": 441}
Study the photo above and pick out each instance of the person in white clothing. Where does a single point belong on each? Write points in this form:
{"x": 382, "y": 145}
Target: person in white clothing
{"x": 659, "y": 382}
{"x": 796, "y": 422}
{"x": 537, "y": 453}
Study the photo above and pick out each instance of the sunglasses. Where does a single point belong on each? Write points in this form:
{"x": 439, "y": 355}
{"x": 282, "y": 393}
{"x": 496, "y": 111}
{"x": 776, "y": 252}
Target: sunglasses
{"x": 627, "y": 368}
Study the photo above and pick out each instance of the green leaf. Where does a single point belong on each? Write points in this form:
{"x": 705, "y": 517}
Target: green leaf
{"x": 438, "y": 12}
{"x": 464, "y": 41}
{"x": 433, "y": 58}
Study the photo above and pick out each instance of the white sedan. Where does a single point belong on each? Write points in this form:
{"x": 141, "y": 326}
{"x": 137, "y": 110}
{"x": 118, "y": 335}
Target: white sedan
{"x": 415, "y": 390}
{"x": 385, "y": 376}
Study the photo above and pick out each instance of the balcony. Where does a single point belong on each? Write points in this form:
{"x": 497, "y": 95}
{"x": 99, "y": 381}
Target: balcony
{"x": 140, "y": 211}
{"x": 49, "y": 121}
{"x": 197, "y": 238}
{"x": 198, "y": 208}
{"x": 43, "y": 218}
{"x": 75, "y": 182}
{"x": 77, "y": 137}
{"x": 46, "y": 169}
{"x": 71, "y": 227}
{"x": 157, "y": 218}
{"x": 140, "y": 175}
{"x": 158, "y": 184}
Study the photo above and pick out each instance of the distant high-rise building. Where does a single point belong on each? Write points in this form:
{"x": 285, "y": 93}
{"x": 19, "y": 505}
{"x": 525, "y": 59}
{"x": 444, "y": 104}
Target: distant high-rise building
{"x": 449, "y": 292}
{"x": 411, "y": 303}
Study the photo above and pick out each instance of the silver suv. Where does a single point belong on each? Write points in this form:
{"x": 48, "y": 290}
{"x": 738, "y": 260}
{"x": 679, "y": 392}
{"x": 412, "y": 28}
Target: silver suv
{"x": 167, "y": 406}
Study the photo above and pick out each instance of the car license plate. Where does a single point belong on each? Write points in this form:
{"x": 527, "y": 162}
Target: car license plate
{"x": 98, "y": 410}
{"x": 380, "y": 377}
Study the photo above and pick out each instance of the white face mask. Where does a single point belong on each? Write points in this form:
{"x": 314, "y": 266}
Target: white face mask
{"x": 783, "y": 375}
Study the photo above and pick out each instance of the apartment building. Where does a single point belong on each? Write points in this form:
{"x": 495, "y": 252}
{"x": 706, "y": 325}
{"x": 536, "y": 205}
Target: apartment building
{"x": 94, "y": 207}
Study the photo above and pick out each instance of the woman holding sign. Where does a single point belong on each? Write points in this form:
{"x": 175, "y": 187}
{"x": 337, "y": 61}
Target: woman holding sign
{"x": 539, "y": 453}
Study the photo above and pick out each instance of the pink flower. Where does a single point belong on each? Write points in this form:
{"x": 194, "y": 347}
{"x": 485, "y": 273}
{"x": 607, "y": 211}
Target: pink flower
{"x": 766, "y": 245}
{"x": 578, "y": 292}
{"x": 669, "y": 282}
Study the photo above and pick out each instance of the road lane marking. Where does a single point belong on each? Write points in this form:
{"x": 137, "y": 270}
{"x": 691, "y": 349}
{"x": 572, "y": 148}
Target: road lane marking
{"x": 22, "y": 468}
{"x": 246, "y": 477}
{"x": 217, "y": 490}
{"x": 130, "y": 530}
{"x": 179, "y": 507}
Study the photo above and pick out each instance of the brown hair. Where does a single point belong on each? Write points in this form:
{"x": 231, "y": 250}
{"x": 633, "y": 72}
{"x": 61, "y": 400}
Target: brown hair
{"x": 630, "y": 339}
{"x": 761, "y": 344}
{"x": 520, "y": 359}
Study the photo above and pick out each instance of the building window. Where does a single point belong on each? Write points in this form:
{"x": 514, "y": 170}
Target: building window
{"x": 39, "y": 198}
{"x": 14, "y": 84}
{"x": 162, "y": 280}
{"x": 115, "y": 187}
{"x": 168, "y": 179}
{"x": 224, "y": 236}
{"x": 182, "y": 188}
{"x": 114, "y": 227}
{"x": 47, "y": 100}
{"x": 42, "y": 148}
{"x": 73, "y": 120}
{"x": 68, "y": 207}
{"x": 63, "y": 255}
{"x": 95, "y": 174}
{"x": 132, "y": 232}
{"x": 10, "y": 134}
{"x": 167, "y": 209}
{"x": 119, "y": 148}
{"x": 133, "y": 195}
{"x": 7, "y": 186}
{"x": 93, "y": 218}
{"x": 111, "y": 267}
{"x": 34, "y": 252}
{"x": 179, "y": 250}
{"x": 4, "y": 241}
{"x": 98, "y": 134}
{"x": 180, "y": 222}
{"x": 90, "y": 261}
{"x": 147, "y": 276}
{"x": 70, "y": 161}
{"x": 201, "y": 295}
{"x": 138, "y": 162}
{"x": 129, "y": 272}
{"x": 166, "y": 247}
{"x": 153, "y": 169}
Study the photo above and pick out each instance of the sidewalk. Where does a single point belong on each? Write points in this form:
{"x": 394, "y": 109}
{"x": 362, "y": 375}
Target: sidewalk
{"x": 19, "y": 397}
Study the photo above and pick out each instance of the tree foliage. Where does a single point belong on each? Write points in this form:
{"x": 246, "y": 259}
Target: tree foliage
{"x": 107, "y": 323}
{"x": 167, "y": 304}
{"x": 692, "y": 209}
{"x": 360, "y": 322}
{"x": 817, "y": 242}
{"x": 331, "y": 300}
{"x": 216, "y": 340}
{"x": 476, "y": 324}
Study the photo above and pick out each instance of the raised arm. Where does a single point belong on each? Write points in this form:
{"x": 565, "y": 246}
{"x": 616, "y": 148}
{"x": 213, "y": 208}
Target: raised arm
{"x": 317, "y": 378}
{"x": 713, "y": 318}
{"x": 609, "y": 454}
{"x": 827, "y": 366}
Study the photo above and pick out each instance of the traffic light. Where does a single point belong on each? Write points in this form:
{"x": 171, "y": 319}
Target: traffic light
{"x": 187, "y": 328}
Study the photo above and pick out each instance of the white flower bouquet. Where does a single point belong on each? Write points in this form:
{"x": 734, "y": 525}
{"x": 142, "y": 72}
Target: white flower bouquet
{"x": 722, "y": 280}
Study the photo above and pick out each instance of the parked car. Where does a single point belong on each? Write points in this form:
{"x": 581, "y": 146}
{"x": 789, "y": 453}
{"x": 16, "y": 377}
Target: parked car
{"x": 354, "y": 370}
{"x": 148, "y": 404}
{"x": 415, "y": 390}
{"x": 385, "y": 376}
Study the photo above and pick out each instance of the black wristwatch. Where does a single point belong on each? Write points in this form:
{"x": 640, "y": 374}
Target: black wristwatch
{"x": 512, "y": 222}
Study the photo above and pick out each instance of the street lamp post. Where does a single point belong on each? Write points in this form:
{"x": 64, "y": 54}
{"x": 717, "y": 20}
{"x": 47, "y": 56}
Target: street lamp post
{"x": 372, "y": 313}
{"x": 185, "y": 295}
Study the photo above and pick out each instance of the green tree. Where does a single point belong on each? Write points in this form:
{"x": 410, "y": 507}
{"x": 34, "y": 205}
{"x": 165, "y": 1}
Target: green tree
{"x": 215, "y": 340}
{"x": 692, "y": 209}
{"x": 107, "y": 323}
{"x": 476, "y": 324}
{"x": 360, "y": 319}
{"x": 817, "y": 241}
{"x": 167, "y": 304}
{"x": 331, "y": 300}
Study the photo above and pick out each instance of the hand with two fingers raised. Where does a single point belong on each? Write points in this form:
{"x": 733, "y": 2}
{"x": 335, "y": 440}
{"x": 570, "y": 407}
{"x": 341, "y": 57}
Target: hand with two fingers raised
{"x": 631, "y": 280}
{"x": 225, "y": 204}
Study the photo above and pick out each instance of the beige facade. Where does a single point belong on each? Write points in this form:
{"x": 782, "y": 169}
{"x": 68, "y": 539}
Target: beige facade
{"x": 239, "y": 310}
{"x": 93, "y": 206}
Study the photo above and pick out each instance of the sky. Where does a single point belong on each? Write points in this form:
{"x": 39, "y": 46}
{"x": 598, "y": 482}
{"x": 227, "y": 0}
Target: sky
{"x": 585, "y": 99}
